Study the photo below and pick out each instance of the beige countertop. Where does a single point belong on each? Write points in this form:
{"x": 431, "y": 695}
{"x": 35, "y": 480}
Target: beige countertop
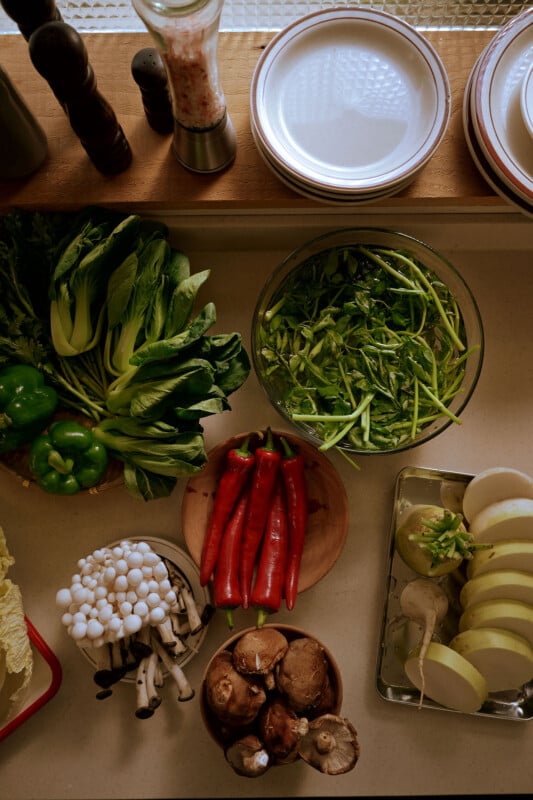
{"x": 79, "y": 748}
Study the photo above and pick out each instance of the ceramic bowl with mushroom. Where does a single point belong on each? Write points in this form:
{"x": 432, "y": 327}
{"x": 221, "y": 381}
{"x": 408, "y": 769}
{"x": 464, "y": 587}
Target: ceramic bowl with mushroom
{"x": 273, "y": 695}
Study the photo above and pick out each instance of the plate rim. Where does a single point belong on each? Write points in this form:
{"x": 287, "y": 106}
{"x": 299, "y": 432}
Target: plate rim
{"x": 392, "y": 24}
{"x": 505, "y": 164}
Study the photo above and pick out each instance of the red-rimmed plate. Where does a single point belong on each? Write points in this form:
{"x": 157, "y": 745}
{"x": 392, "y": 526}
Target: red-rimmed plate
{"x": 496, "y": 116}
{"x": 45, "y": 682}
{"x": 349, "y": 101}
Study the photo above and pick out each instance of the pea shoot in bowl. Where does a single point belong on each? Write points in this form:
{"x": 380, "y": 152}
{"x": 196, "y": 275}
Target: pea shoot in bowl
{"x": 367, "y": 340}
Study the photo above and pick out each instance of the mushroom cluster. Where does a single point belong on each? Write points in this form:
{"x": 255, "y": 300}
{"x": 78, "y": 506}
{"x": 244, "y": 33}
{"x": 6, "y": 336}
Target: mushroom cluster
{"x": 270, "y": 699}
{"x": 132, "y": 611}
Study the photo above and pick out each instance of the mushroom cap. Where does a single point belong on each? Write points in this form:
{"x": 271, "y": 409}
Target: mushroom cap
{"x": 330, "y": 745}
{"x": 258, "y": 651}
{"x": 281, "y": 729}
{"x": 303, "y": 674}
{"x": 232, "y": 697}
{"x": 248, "y": 756}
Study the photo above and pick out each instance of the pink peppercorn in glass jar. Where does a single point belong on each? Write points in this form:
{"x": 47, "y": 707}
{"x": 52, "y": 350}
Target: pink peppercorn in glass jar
{"x": 186, "y": 33}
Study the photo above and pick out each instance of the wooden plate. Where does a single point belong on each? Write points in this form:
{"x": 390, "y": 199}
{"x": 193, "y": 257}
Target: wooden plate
{"x": 327, "y": 507}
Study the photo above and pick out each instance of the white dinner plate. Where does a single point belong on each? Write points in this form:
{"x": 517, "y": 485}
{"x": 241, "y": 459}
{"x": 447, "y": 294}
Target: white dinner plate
{"x": 496, "y": 104}
{"x": 325, "y": 196}
{"x": 526, "y": 100}
{"x": 349, "y": 100}
{"x": 478, "y": 156}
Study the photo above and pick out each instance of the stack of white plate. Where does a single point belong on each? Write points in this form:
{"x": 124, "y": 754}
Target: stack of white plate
{"x": 497, "y": 110}
{"x": 348, "y": 104}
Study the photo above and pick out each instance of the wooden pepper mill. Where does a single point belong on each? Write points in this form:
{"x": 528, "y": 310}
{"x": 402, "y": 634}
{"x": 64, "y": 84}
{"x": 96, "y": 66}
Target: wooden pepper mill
{"x": 59, "y": 55}
{"x": 150, "y": 75}
{"x": 31, "y": 15}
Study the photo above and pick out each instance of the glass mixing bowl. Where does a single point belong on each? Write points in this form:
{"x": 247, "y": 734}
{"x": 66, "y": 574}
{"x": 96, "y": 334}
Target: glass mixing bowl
{"x": 367, "y": 340}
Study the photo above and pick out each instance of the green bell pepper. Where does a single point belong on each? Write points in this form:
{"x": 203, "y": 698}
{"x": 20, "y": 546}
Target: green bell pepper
{"x": 26, "y": 405}
{"x": 67, "y": 458}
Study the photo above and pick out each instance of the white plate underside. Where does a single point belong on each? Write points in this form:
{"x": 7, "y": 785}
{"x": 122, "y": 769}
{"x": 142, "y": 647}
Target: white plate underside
{"x": 502, "y": 132}
{"x": 350, "y": 100}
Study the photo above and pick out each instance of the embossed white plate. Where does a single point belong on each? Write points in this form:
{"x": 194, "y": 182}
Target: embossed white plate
{"x": 349, "y": 101}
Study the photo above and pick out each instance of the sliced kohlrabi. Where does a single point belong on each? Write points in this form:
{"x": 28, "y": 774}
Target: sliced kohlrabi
{"x": 511, "y": 615}
{"x": 504, "y": 520}
{"x": 512, "y": 554}
{"x": 449, "y": 679}
{"x": 504, "y": 658}
{"x": 501, "y": 584}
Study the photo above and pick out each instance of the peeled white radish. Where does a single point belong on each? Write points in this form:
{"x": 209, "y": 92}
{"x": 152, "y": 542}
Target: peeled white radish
{"x": 423, "y": 601}
{"x": 511, "y": 615}
{"x": 512, "y": 554}
{"x": 449, "y": 679}
{"x": 492, "y": 485}
{"x": 504, "y": 520}
{"x": 501, "y": 584}
{"x": 504, "y": 658}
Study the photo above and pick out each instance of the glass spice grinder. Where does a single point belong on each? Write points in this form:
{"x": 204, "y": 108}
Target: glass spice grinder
{"x": 186, "y": 33}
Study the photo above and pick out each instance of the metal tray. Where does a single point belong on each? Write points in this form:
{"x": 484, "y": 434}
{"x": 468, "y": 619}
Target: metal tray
{"x": 419, "y": 485}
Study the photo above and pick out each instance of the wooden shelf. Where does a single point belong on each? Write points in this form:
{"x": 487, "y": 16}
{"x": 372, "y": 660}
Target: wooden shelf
{"x": 155, "y": 180}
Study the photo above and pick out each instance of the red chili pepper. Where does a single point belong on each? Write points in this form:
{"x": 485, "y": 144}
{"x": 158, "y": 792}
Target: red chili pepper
{"x": 268, "y": 587}
{"x": 293, "y": 471}
{"x": 239, "y": 463}
{"x": 226, "y": 589}
{"x": 267, "y": 460}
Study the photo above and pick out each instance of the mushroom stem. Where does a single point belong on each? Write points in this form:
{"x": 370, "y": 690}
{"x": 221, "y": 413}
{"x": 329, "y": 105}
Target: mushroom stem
{"x": 144, "y": 709}
{"x": 185, "y": 690}
{"x": 193, "y": 615}
{"x": 168, "y": 636}
{"x": 325, "y": 742}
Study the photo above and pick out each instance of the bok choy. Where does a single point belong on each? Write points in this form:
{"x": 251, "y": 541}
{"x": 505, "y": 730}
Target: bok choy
{"x": 123, "y": 339}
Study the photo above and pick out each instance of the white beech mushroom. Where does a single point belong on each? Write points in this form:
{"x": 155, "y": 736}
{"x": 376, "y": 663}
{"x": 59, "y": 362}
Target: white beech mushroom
{"x": 330, "y": 745}
{"x": 258, "y": 651}
{"x": 423, "y": 601}
{"x": 303, "y": 674}
{"x": 185, "y": 690}
{"x": 148, "y": 698}
{"x": 248, "y": 757}
{"x": 185, "y": 599}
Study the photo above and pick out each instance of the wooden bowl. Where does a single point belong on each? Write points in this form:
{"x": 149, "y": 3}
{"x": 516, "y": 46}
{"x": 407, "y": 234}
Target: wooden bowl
{"x": 218, "y": 732}
{"x": 327, "y": 505}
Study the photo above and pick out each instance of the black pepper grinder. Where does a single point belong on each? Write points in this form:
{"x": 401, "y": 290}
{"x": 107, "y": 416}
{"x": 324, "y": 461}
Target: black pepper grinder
{"x": 59, "y": 55}
{"x": 150, "y": 75}
{"x": 31, "y": 14}
{"x": 23, "y": 143}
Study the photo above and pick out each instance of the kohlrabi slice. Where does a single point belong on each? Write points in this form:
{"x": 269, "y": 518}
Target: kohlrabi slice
{"x": 513, "y": 554}
{"x": 504, "y": 658}
{"x": 511, "y": 615}
{"x": 504, "y": 520}
{"x": 448, "y": 678}
{"x": 492, "y": 485}
{"x": 501, "y": 584}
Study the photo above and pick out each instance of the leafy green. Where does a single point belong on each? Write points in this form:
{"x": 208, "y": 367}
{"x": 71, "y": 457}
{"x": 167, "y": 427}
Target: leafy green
{"x": 119, "y": 336}
{"x": 365, "y": 346}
